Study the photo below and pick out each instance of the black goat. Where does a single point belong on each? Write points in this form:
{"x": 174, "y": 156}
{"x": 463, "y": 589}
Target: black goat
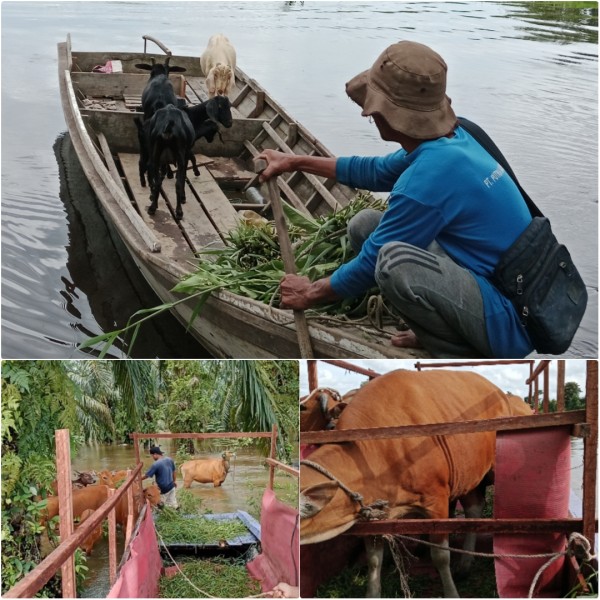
{"x": 159, "y": 91}
{"x": 206, "y": 116}
{"x": 167, "y": 137}
{"x": 157, "y": 94}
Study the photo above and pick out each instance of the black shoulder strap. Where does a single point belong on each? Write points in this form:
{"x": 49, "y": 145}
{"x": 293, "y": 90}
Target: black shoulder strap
{"x": 486, "y": 142}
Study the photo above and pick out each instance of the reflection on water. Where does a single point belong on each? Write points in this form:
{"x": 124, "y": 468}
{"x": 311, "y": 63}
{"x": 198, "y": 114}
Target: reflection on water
{"x": 560, "y": 22}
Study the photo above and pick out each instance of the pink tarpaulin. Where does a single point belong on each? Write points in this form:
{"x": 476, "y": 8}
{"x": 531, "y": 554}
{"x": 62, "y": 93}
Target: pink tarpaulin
{"x": 140, "y": 574}
{"x": 532, "y": 480}
{"x": 279, "y": 559}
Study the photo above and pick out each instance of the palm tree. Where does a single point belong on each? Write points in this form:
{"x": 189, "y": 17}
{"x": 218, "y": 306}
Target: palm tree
{"x": 250, "y": 393}
{"x": 104, "y": 387}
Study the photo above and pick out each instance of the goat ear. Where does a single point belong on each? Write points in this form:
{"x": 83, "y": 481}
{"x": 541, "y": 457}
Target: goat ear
{"x": 177, "y": 69}
{"x": 212, "y": 109}
{"x": 143, "y": 66}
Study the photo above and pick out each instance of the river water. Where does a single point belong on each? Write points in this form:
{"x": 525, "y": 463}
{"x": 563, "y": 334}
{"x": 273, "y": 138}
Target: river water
{"x": 526, "y": 71}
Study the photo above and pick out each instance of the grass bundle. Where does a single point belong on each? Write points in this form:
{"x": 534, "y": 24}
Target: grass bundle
{"x": 175, "y": 528}
{"x": 251, "y": 265}
{"x": 217, "y": 577}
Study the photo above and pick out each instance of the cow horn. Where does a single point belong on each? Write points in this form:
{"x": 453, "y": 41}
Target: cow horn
{"x": 323, "y": 402}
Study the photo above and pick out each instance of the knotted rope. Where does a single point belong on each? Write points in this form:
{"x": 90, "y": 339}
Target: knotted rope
{"x": 577, "y": 545}
{"x": 371, "y": 512}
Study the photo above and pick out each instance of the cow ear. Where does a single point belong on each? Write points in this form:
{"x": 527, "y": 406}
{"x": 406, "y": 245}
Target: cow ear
{"x": 337, "y": 410}
{"x": 314, "y": 498}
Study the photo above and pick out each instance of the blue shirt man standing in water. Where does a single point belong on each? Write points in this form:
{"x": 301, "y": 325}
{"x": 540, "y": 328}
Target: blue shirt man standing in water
{"x": 164, "y": 472}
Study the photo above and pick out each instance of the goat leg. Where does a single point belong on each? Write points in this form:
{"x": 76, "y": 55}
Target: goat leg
{"x": 155, "y": 180}
{"x": 192, "y": 157}
{"x": 180, "y": 188}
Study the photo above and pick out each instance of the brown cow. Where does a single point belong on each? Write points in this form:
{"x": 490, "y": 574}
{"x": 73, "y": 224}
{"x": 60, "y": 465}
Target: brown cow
{"x": 315, "y": 409}
{"x": 318, "y": 411}
{"x": 93, "y": 496}
{"x": 111, "y": 478}
{"x": 416, "y": 476}
{"x": 88, "y": 544}
{"x": 206, "y": 470}
{"x": 83, "y": 479}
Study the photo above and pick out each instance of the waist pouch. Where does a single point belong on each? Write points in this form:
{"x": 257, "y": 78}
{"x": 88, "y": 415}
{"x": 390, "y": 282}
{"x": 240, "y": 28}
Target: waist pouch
{"x": 538, "y": 276}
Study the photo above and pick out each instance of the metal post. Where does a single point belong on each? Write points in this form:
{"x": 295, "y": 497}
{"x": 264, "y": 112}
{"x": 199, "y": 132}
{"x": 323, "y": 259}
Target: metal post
{"x": 590, "y": 451}
{"x": 560, "y": 386}
{"x": 112, "y": 541}
{"x": 65, "y": 506}
{"x": 272, "y": 455}
{"x": 313, "y": 375}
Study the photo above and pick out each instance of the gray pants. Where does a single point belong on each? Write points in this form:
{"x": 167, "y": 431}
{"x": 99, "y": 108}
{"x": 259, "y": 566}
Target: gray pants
{"x": 438, "y": 299}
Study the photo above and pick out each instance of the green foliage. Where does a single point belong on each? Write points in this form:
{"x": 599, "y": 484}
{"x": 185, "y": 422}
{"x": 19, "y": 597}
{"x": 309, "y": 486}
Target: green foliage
{"x": 217, "y": 578}
{"x": 189, "y": 503}
{"x": 38, "y": 399}
{"x": 573, "y": 397}
{"x": 250, "y": 264}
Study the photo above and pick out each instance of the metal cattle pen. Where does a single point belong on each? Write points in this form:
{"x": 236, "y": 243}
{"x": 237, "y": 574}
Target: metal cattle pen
{"x": 62, "y": 557}
{"x": 584, "y": 424}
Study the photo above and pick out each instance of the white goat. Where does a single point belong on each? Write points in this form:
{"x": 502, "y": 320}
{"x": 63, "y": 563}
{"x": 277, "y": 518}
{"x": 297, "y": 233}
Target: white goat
{"x": 218, "y": 66}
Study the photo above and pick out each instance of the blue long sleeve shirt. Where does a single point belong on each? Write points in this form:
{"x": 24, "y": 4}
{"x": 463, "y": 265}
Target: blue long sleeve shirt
{"x": 163, "y": 470}
{"x": 450, "y": 190}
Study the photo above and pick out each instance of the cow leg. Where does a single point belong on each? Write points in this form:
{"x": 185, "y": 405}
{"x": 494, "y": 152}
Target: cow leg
{"x": 440, "y": 557}
{"x": 473, "y": 504}
{"x": 374, "y": 549}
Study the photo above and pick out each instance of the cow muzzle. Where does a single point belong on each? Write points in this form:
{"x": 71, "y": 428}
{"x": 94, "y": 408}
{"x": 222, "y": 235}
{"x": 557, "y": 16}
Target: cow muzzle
{"x": 377, "y": 510}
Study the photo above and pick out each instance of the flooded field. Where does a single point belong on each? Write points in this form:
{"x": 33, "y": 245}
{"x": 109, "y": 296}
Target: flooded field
{"x": 242, "y": 490}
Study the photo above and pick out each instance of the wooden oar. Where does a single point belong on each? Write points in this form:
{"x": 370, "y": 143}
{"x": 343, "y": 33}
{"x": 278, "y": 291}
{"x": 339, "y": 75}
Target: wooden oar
{"x": 287, "y": 255}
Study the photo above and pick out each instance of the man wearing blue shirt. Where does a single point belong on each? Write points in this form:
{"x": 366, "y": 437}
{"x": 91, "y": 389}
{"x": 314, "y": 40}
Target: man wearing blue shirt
{"x": 452, "y": 212}
{"x": 164, "y": 472}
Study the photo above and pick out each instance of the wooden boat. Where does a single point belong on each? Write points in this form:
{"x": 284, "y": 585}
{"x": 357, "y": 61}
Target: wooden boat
{"x": 99, "y": 111}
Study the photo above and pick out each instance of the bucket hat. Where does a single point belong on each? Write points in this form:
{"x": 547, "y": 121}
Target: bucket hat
{"x": 155, "y": 450}
{"x": 407, "y": 86}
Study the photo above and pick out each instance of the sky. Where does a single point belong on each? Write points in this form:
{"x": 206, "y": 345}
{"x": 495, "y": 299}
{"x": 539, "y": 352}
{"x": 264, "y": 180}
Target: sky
{"x": 509, "y": 378}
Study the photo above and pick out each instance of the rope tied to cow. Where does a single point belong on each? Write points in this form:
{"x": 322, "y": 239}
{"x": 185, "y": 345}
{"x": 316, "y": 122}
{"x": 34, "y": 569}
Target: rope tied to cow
{"x": 577, "y": 545}
{"x": 377, "y": 510}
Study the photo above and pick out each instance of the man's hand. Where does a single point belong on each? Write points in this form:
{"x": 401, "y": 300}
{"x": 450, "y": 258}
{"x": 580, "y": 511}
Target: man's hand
{"x": 277, "y": 163}
{"x": 298, "y": 293}
{"x": 295, "y": 291}
{"x": 284, "y": 590}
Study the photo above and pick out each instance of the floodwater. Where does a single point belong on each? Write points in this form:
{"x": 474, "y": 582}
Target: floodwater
{"x": 242, "y": 490}
{"x": 525, "y": 71}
